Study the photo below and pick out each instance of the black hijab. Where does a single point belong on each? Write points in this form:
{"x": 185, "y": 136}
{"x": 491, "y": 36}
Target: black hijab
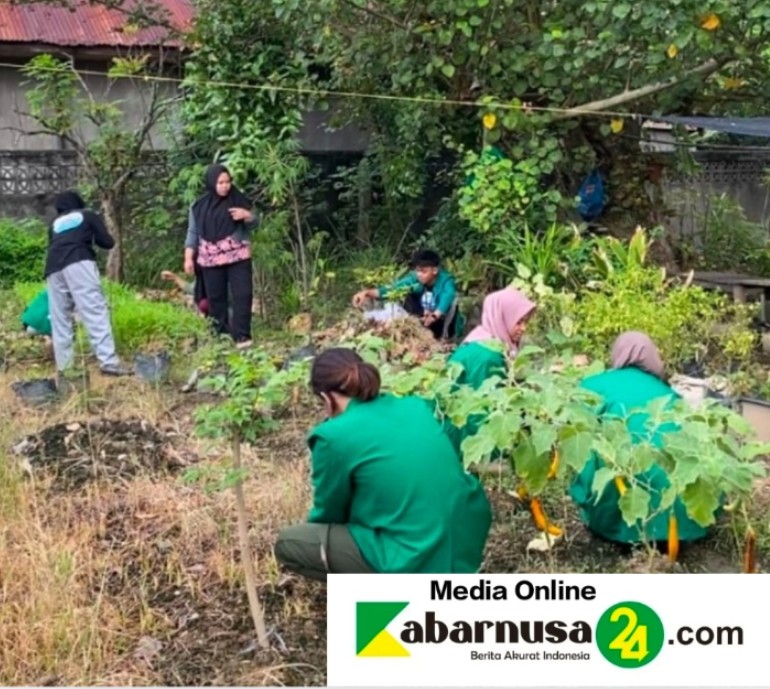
{"x": 68, "y": 201}
{"x": 212, "y": 211}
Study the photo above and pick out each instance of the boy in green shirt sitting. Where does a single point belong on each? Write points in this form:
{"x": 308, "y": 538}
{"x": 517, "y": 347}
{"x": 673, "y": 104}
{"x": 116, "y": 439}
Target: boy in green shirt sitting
{"x": 431, "y": 295}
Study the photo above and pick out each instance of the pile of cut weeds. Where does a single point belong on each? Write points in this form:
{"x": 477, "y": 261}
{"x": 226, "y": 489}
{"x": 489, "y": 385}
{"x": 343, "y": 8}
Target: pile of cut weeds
{"x": 403, "y": 339}
{"x": 78, "y": 452}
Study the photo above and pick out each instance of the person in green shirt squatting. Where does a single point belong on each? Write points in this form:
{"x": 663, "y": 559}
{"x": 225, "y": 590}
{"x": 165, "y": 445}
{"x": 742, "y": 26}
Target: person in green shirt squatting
{"x": 36, "y": 320}
{"x": 635, "y": 379}
{"x": 432, "y": 295}
{"x": 389, "y": 495}
{"x": 485, "y": 352}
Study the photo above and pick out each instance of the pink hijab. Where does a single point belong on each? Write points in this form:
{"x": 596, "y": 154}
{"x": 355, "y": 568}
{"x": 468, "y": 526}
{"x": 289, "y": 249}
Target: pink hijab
{"x": 638, "y": 350}
{"x": 502, "y": 310}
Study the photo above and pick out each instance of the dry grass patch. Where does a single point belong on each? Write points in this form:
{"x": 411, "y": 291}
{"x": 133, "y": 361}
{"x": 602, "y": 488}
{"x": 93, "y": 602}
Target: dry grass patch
{"x": 135, "y": 579}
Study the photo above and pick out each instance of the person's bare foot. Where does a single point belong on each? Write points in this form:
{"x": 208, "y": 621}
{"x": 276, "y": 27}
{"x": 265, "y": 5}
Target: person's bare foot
{"x": 244, "y": 344}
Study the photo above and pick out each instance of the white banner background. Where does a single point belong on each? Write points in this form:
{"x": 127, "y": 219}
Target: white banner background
{"x": 696, "y": 600}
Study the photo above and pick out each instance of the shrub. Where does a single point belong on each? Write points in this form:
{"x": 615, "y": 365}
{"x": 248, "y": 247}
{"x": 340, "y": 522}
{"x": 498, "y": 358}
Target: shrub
{"x": 685, "y": 322}
{"x": 22, "y": 251}
{"x": 137, "y": 322}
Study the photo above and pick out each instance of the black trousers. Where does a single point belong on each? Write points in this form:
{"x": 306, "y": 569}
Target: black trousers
{"x": 231, "y": 283}
{"x": 413, "y": 305}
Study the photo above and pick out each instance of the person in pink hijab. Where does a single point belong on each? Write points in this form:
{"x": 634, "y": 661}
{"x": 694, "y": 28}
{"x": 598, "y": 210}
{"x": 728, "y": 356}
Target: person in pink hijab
{"x": 482, "y": 354}
{"x": 504, "y": 318}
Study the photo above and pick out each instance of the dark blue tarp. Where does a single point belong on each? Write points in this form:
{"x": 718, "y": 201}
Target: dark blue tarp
{"x": 740, "y": 126}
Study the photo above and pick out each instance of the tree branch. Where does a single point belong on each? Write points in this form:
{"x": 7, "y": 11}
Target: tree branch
{"x": 49, "y": 130}
{"x": 21, "y": 130}
{"x": 368, "y": 9}
{"x": 703, "y": 70}
{"x": 154, "y": 112}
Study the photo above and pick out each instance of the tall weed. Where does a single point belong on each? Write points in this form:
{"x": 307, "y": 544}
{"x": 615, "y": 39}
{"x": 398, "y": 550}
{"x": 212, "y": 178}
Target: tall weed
{"x": 138, "y": 322}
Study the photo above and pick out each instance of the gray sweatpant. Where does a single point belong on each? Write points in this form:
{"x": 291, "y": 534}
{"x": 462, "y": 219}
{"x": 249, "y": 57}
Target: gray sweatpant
{"x": 78, "y": 286}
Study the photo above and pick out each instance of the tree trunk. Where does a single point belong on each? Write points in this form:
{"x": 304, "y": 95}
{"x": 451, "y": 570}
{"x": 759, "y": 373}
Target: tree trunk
{"x": 114, "y": 227}
{"x": 302, "y": 253}
{"x": 257, "y": 616}
{"x": 364, "y": 185}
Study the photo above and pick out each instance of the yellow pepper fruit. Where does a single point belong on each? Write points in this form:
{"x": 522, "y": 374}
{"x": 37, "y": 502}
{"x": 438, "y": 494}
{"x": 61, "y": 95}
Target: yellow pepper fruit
{"x": 541, "y": 521}
{"x": 673, "y": 538}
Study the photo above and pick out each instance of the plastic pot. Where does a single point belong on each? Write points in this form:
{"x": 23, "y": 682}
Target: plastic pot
{"x": 757, "y": 413}
{"x": 37, "y": 391}
{"x": 301, "y": 354}
{"x": 154, "y": 368}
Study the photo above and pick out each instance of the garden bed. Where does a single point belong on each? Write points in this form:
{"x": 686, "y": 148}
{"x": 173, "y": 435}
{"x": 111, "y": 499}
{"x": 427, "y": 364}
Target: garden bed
{"x": 78, "y": 452}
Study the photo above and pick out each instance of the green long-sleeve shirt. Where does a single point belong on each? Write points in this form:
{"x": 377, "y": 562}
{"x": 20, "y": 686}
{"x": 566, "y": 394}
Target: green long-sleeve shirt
{"x": 479, "y": 362}
{"x": 37, "y": 314}
{"x": 387, "y": 470}
{"x": 444, "y": 289}
{"x": 622, "y": 391}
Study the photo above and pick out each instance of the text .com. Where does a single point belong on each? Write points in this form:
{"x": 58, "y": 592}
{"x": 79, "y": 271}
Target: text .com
{"x": 708, "y": 636}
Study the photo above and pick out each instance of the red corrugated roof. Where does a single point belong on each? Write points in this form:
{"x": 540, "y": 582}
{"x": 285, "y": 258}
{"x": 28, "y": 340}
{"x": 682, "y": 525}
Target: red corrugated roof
{"x": 86, "y": 25}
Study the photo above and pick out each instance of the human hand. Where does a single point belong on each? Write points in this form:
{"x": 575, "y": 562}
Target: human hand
{"x": 238, "y": 214}
{"x": 359, "y": 298}
{"x": 189, "y": 265}
{"x": 429, "y": 318}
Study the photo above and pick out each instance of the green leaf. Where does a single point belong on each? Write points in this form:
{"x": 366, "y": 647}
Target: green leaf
{"x": 642, "y": 458}
{"x": 687, "y": 469}
{"x": 635, "y": 504}
{"x": 531, "y": 467}
{"x": 543, "y": 439}
{"x": 755, "y": 449}
{"x": 448, "y": 70}
{"x": 621, "y": 10}
{"x": 503, "y": 429}
{"x": 602, "y": 478}
{"x": 668, "y": 498}
{"x": 575, "y": 447}
{"x": 605, "y": 450}
{"x": 701, "y": 500}
{"x": 735, "y": 422}
{"x": 477, "y": 448}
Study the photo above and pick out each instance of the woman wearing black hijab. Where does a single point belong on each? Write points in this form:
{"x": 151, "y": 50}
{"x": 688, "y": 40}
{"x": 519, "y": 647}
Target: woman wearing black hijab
{"x": 218, "y": 231}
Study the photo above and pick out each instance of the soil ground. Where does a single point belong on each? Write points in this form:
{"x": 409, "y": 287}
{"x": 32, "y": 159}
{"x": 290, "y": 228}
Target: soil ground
{"x": 116, "y": 568}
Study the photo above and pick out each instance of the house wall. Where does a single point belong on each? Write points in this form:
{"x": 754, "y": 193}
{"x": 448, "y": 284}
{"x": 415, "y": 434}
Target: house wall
{"x": 16, "y": 129}
{"x": 134, "y": 97}
{"x": 742, "y": 177}
{"x": 33, "y": 166}
{"x": 13, "y": 123}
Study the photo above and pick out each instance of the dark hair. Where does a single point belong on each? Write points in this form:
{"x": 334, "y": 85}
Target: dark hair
{"x": 344, "y": 371}
{"x": 426, "y": 258}
{"x": 68, "y": 201}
